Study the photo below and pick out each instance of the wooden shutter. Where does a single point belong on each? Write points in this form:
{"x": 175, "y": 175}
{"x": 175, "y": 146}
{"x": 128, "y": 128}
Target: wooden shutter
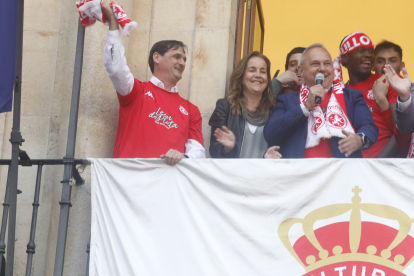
{"x": 250, "y": 28}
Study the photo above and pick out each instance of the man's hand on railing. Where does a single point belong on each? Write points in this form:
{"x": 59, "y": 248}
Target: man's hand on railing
{"x": 172, "y": 157}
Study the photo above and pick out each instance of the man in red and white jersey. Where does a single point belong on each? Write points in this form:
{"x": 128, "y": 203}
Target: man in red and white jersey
{"x": 154, "y": 121}
{"x": 357, "y": 55}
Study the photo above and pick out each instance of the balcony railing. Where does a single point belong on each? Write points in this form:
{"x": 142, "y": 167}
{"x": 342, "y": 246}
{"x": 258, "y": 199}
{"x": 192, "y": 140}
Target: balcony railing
{"x": 21, "y": 158}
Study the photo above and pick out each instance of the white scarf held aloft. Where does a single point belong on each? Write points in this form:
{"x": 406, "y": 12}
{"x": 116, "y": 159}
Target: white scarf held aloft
{"x": 90, "y": 11}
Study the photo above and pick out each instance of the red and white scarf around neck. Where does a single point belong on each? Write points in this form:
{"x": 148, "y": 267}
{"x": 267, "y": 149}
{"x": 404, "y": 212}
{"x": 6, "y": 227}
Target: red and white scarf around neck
{"x": 330, "y": 124}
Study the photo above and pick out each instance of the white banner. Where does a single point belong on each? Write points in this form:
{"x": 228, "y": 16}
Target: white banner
{"x": 314, "y": 217}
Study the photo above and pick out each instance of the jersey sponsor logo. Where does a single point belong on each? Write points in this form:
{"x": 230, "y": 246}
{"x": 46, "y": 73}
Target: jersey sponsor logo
{"x": 370, "y": 95}
{"x": 150, "y": 94}
{"x": 162, "y": 118}
{"x": 182, "y": 109}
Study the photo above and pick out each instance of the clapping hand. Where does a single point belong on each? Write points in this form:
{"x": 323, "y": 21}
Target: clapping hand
{"x": 402, "y": 86}
{"x": 225, "y": 137}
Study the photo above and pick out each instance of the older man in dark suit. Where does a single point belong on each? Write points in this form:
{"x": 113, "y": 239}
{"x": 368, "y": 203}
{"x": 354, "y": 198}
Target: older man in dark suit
{"x": 340, "y": 126}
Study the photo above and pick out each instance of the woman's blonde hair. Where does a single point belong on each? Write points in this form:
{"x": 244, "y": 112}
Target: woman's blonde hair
{"x": 235, "y": 96}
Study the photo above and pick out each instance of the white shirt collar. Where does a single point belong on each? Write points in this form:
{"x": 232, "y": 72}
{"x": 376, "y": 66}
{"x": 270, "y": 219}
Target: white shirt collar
{"x": 159, "y": 83}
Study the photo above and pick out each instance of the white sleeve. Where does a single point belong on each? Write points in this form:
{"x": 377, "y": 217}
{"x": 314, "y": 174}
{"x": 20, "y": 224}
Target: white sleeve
{"x": 402, "y": 106}
{"x": 116, "y": 64}
{"x": 194, "y": 149}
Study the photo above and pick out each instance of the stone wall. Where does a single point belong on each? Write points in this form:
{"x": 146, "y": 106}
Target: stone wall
{"x": 207, "y": 27}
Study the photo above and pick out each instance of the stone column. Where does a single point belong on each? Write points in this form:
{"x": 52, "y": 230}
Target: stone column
{"x": 213, "y": 58}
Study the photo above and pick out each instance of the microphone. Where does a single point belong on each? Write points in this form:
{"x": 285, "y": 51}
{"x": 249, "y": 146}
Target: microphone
{"x": 319, "y": 80}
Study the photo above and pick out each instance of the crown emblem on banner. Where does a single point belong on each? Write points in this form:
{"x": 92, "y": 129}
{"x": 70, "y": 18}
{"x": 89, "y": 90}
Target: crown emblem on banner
{"x": 353, "y": 241}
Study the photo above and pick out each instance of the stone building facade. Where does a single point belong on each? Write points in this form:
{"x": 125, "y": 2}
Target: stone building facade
{"x": 207, "y": 27}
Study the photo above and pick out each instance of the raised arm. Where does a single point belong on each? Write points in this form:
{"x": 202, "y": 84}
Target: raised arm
{"x": 405, "y": 105}
{"x": 115, "y": 61}
{"x": 402, "y": 86}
